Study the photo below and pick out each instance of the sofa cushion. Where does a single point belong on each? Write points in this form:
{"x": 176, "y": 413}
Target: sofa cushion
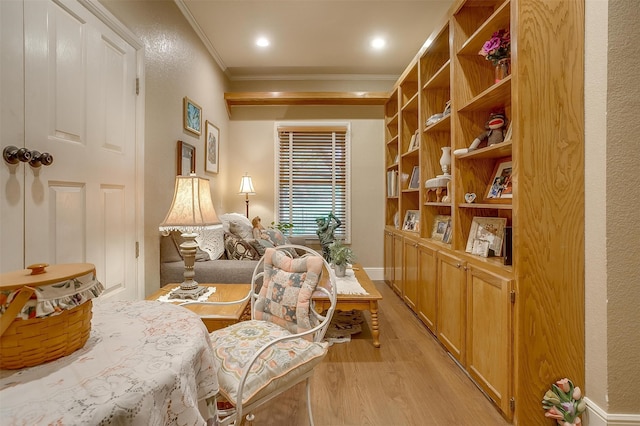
{"x": 238, "y": 225}
{"x": 238, "y": 248}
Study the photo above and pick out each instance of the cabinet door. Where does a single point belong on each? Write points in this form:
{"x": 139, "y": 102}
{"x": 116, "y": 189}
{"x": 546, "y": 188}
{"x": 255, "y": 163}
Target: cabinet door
{"x": 489, "y": 334}
{"x": 452, "y": 304}
{"x": 388, "y": 257}
{"x": 427, "y": 287}
{"x": 397, "y": 264}
{"x": 410, "y": 270}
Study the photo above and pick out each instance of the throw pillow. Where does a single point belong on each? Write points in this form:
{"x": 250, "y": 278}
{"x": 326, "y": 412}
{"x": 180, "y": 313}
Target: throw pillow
{"x": 276, "y": 237}
{"x": 239, "y": 249}
{"x": 286, "y": 292}
{"x": 238, "y": 225}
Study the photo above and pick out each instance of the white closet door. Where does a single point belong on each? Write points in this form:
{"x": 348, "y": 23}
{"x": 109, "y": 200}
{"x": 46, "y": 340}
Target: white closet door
{"x": 80, "y": 106}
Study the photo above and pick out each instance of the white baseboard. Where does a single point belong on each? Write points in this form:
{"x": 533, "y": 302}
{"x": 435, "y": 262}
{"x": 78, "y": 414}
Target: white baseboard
{"x": 375, "y": 274}
{"x": 596, "y": 416}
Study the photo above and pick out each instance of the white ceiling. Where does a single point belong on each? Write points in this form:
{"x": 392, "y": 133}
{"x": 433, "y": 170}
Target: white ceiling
{"x": 313, "y": 39}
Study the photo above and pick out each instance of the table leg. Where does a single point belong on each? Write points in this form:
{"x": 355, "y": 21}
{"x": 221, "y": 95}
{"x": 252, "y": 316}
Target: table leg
{"x": 375, "y": 331}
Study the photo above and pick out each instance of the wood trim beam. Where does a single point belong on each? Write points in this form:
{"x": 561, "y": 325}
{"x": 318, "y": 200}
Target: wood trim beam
{"x": 304, "y": 98}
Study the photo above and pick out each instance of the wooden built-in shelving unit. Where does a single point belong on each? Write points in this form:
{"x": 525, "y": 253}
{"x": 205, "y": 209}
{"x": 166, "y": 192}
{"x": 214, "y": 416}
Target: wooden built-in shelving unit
{"x": 515, "y": 328}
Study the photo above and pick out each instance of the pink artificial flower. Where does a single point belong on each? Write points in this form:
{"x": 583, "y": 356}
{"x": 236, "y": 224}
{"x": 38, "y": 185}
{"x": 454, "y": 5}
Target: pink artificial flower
{"x": 577, "y": 394}
{"x": 564, "y": 385}
{"x": 491, "y": 45}
{"x": 552, "y": 413}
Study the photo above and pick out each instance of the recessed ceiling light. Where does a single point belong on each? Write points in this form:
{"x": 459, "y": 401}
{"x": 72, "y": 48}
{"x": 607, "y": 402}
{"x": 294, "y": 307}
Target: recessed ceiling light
{"x": 378, "y": 43}
{"x": 262, "y": 42}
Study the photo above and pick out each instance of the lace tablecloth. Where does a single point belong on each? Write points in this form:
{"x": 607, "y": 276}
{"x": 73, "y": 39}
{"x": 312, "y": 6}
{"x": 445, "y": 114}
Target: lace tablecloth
{"x": 146, "y": 363}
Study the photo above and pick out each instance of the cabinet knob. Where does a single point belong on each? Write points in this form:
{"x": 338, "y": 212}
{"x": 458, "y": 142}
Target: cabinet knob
{"x": 458, "y": 265}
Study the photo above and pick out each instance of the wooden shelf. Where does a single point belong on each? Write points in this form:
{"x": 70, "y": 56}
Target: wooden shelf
{"x": 305, "y": 98}
{"x": 494, "y": 206}
{"x": 502, "y": 149}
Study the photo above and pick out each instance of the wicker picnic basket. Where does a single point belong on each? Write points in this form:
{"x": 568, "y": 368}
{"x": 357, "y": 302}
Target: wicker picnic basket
{"x": 46, "y": 312}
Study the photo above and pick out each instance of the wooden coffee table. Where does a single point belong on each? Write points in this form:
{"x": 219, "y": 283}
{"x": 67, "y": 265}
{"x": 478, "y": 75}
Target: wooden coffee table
{"x": 215, "y": 317}
{"x": 361, "y": 302}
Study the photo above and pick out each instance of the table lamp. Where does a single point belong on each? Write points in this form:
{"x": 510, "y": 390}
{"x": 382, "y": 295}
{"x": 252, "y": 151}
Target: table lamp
{"x": 246, "y": 188}
{"x": 191, "y": 211}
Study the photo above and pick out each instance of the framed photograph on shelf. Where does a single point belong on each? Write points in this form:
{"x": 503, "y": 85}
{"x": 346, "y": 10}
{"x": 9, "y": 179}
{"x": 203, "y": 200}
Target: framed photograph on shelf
{"x": 500, "y": 188}
{"x": 192, "y": 116}
{"x": 415, "y": 141}
{"x": 186, "y": 159}
{"x": 411, "y": 221}
{"x": 508, "y": 133}
{"x": 486, "y": 236}
{"x": 414, "y": 183}
{"x": 441, "y": 224}
{"x": 211, "y": 148}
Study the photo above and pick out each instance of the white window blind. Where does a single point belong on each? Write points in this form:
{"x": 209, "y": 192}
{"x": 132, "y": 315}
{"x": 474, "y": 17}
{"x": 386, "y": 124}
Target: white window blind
{"x": 313, "y": 177}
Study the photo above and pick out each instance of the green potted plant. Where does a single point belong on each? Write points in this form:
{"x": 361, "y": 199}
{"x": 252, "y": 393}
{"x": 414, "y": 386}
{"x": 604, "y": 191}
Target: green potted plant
{"x": 340, "y": 255}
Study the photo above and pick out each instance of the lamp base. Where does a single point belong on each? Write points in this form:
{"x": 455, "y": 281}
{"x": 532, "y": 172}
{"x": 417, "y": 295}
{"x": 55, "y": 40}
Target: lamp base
{"x": 193, "y": 293}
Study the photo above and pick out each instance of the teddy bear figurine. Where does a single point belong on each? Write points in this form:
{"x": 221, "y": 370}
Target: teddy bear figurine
{"x": 496, "y": 128}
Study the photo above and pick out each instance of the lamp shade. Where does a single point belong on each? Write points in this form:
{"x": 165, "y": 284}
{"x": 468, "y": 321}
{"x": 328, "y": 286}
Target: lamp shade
{"x": 246, "y": 186}
{"x": 192, "y": 207}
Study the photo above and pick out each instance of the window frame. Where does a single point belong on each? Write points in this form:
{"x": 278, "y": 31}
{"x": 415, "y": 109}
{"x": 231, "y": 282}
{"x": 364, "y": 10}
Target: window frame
{"x": 346, "y": 225}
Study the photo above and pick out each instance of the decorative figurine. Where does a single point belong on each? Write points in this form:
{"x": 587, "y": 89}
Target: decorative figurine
{"x": 496, "y": 127}
{"x": 326, "y": 227}
{"x": 258, "y": 230}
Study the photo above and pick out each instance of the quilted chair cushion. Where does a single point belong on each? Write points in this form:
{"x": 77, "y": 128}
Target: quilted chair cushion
{"x": 286, "y": 292}
{"x": 279, "y": 366}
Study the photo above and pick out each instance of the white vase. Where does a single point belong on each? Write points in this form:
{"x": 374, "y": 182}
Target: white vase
{"x": 340, "y": 270}
{"x": 445, "y": 160}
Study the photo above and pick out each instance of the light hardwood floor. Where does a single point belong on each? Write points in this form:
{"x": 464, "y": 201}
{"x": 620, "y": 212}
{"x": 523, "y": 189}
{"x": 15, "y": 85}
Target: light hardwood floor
{"x": 410, "y": 380}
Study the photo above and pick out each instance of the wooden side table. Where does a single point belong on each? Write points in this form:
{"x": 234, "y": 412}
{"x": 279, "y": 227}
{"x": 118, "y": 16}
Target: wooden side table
{"x": 361, "y": 302}
{"x": 216, "y": 317}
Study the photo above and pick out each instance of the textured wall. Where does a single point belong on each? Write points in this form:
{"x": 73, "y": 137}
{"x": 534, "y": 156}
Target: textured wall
{"x": 595, "y": 194}
{"x": 623, "y": 199}
{"x": 176, "y": 65}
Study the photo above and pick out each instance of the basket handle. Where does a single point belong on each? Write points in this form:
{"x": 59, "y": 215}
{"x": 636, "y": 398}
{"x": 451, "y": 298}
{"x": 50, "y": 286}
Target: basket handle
{"x": 24, "y": 294}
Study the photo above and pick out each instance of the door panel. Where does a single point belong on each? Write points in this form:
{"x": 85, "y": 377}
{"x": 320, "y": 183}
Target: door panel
{"x": 80, "y": 106}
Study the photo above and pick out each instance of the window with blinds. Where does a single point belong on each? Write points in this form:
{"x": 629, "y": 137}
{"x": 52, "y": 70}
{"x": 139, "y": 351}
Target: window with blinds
{"x": 313, "y": 177}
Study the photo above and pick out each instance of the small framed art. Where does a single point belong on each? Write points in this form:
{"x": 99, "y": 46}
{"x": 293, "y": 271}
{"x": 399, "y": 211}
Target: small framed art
{"x": 500, "y": 189}
{"x": 414, "y": 143}
{"x": 486, "y": 236}
{"x": 211, "y": 148}
{"x": 186, "y": 159}
{"x": 441, "y": 224}
{"x": 192, "y": 116}
{"x": 411, "y": 221}
{"x": 414, "y": 183}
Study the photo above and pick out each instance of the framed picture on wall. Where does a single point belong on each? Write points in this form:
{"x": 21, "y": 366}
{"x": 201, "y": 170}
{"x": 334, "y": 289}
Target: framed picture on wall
{"x": 186, "y": 159}
{"x": 192, "y": 116}
{"x": 211, "y": 148}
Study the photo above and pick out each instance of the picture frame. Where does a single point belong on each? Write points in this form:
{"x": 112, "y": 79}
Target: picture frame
{"x": 500, "y": 188}
{"x": 509, "y": 133}
{"x": 192, "y": 116}
{"x": 211, "y": 148}
{"x": 414, "y": 183}
{"x": 186, "y": 159}
{"x": 411, "y": 221}
{"x": 486, "y": 236}
{"x": 414, "y": 143}
{"x": 441, "y": 224}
